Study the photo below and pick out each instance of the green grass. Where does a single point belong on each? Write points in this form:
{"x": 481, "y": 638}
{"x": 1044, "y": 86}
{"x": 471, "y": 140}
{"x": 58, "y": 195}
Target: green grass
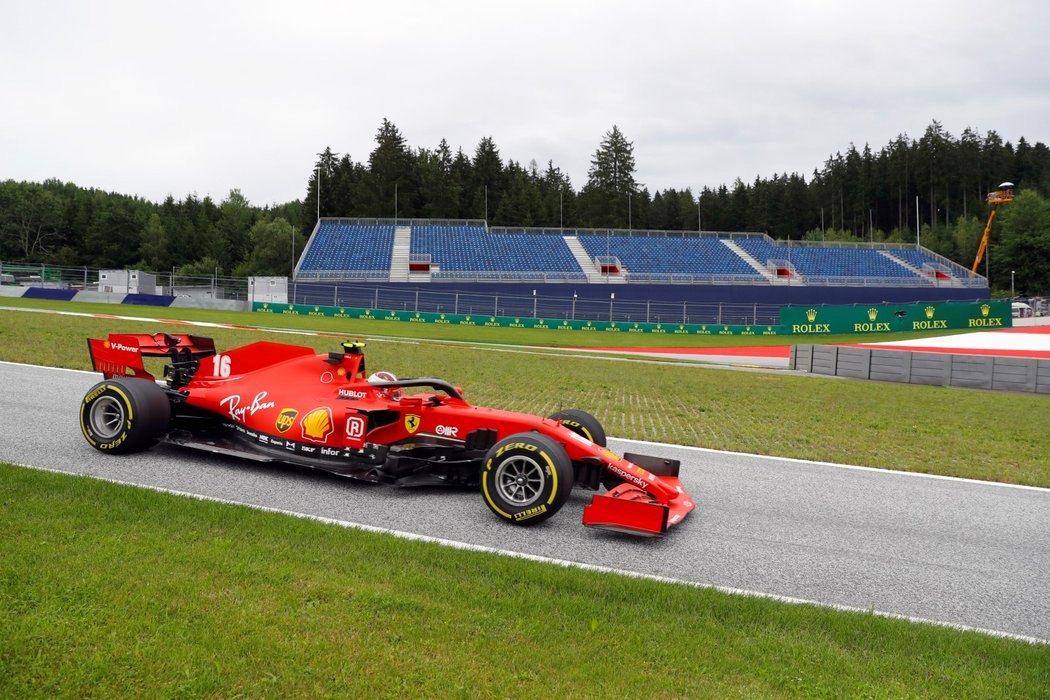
{"x": 114, "y": 591}
{"x": 949, "y": 431}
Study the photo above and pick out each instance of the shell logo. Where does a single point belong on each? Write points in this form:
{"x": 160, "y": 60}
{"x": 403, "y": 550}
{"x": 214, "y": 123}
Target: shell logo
{"x": 317, "y": 424}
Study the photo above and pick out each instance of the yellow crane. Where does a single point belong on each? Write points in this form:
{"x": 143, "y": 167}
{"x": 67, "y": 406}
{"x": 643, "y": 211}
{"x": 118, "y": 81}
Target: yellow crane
{"x": 1004, "y": 194}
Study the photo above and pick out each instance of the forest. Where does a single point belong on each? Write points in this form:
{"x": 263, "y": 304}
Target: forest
{"x": 932, "y": 188}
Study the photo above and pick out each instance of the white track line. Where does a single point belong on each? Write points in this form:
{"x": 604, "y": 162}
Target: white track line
{"x": 453, "y": 544}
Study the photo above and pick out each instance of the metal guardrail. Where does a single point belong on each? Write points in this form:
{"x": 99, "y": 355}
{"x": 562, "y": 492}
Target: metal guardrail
{"x": 87, "y": 279}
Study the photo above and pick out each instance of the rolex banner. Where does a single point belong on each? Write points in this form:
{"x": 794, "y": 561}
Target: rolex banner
{"x": 892, "y": 318}
{"x": 794, "y": 320}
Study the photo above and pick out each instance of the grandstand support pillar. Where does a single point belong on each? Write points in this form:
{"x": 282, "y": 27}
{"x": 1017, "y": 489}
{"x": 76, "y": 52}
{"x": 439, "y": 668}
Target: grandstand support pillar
{"x": 417, "y": 301}
{"x": 455, "y": 308}
{"x": 574, "y": 306}
{"x": 684, "y": 315}
{"x": 534, "y": 303}
{"x": 647, "y": 311}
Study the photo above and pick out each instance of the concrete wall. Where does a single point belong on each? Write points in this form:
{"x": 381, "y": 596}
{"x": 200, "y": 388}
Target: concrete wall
{"x": 1017, "y": 374}
{"x": 121, "y": 298}
{"x": 220, "y": 304}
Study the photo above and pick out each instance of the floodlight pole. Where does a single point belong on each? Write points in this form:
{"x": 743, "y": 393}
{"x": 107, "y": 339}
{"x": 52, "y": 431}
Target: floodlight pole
{"x": 916, "y": 221}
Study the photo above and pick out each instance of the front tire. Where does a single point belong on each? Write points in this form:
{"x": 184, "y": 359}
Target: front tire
{"x": 582, "y": 423}
{"x": 124, "y": 415}
{"x": 526, "y": 478}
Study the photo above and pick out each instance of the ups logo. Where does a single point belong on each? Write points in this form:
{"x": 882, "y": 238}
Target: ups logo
{"x": 286, "y": 419}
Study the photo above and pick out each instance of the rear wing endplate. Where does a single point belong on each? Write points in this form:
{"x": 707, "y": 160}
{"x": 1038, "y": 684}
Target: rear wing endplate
{"x": 120, "y": 355}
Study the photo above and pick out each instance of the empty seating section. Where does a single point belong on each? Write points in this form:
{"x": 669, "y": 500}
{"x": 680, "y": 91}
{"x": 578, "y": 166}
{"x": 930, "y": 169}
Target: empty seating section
{"x": 348, "y": 248}
{"x": 827, "y": 262}
{"x": 917, "y": 258}
{"x": 669, "y": 255}
{"x": 455, "y": 249}
{"x": 468, "y": 251}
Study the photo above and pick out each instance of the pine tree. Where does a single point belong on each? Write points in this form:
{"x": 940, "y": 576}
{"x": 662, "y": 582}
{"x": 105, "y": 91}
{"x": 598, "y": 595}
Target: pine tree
{"x": 604, "y": 200}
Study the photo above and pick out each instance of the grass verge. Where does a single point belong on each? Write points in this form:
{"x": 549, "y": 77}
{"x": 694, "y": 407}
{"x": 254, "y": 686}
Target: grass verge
{"x": 115, "y": 591}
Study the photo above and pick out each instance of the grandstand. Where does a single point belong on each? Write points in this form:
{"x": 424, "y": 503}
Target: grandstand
{"x": 467, "y": 258}
{"x": 354, "y": 249}
{"x": 347, "y": 251}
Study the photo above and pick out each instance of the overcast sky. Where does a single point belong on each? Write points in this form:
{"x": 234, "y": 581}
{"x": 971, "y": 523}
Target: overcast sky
{"x": 153, "y": 99}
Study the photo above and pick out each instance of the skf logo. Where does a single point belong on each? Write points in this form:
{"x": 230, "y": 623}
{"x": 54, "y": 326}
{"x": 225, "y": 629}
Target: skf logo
{"x": 286, "y": 419}
{"x": 929, "y": 311}
{"x": 985, "y": 309}
{"x": 317, "y": 424}
{"x": 811, "y": 315}
{"x": 411, "y": 423}
{"x": 873, "y": 313}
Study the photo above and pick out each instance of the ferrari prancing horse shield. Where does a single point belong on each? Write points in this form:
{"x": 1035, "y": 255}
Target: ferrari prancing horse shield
{"x": 411, "y": 423}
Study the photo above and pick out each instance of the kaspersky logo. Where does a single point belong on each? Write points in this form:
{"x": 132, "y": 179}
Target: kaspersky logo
{"x": 873, "y": 313}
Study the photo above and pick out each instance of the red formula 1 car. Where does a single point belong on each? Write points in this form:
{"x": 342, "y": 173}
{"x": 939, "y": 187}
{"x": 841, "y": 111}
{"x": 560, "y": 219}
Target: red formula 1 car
{"x": 275, "y": 402}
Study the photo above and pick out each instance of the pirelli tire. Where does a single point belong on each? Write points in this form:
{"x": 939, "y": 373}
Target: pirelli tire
{"x": 526, "y": 478}
{"x": 124, "y": 415}
{"x": 582, "y": 423}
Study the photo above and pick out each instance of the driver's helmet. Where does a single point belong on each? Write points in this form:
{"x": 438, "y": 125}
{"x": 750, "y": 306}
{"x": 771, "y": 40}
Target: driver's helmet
{"x": 392, "y": 394}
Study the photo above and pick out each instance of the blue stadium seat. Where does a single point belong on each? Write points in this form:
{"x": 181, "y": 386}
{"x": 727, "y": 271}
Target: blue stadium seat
{"x": 668, "y": 255}
{"x": 353, "y": 248}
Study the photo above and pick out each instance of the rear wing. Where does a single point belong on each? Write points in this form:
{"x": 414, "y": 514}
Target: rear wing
{"x": 120, "y": 355}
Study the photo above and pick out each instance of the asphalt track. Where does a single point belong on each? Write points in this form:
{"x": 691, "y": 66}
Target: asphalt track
{"x": 956, "y": 552}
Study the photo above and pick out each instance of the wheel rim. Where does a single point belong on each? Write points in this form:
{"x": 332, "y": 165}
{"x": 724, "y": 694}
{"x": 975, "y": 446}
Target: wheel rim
{"x": 520, "y": 480}
{"x": 107, "y": 417}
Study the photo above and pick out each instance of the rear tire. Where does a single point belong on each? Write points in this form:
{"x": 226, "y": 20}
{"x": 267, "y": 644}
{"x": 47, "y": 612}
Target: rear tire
{"x": 526, "y": 478}
{"x": 124, "y": 415}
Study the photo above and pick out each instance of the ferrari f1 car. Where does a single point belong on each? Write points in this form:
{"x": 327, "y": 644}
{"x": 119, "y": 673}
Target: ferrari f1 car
{"x": 285, "y": 403}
